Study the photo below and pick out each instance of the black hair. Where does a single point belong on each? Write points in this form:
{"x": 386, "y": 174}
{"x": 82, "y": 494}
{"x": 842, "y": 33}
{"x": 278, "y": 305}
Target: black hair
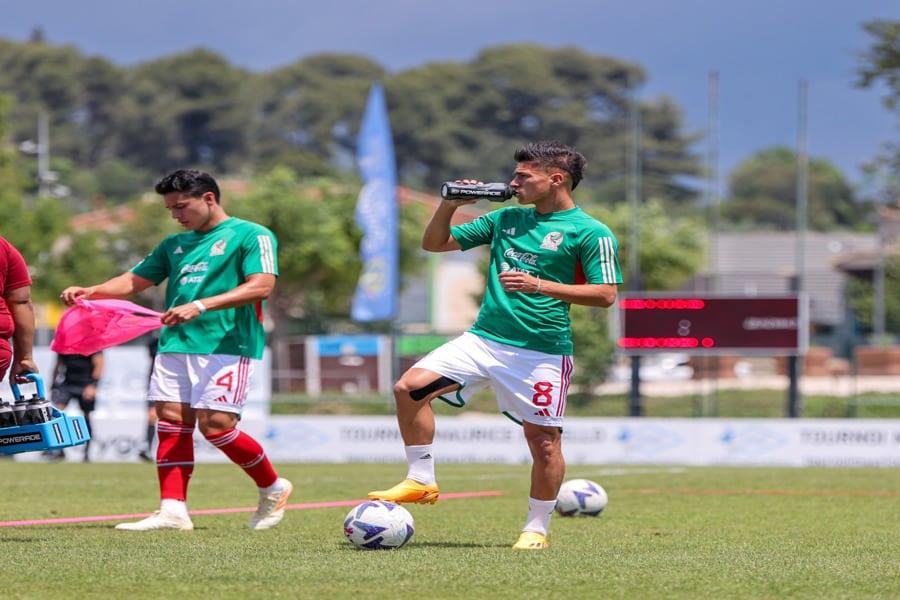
{"x": 552, "y": 154}
{"x": 191, "y": 182}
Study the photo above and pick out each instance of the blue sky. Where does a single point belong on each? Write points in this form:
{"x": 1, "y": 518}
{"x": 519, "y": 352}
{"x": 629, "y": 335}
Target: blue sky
{"x": 761, "y": 49}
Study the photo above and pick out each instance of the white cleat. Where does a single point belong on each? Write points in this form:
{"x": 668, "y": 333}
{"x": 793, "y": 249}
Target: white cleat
{"x": 271, "y": 506}
{"x": 158, "y": 520}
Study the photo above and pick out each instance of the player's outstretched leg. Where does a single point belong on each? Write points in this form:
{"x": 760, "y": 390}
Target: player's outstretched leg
{"x": 413, "y": 394}
{"x": 246, "y": 452}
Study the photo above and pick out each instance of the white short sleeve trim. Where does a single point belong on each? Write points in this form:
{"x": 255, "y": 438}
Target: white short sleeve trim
{"x": 607, "y": 260}
{"x": 266, "y": 255}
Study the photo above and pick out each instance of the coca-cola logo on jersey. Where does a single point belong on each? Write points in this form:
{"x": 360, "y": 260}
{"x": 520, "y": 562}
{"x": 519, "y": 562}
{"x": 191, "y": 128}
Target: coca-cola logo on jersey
{"x": 524, "y": 257}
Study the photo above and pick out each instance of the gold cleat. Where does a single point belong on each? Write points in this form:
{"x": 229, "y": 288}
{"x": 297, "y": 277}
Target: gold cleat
{"x": 532, "y": 540}
{"x": 408, "y": 491}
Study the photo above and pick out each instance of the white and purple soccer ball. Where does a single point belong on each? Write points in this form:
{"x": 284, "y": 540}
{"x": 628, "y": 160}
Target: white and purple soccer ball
{"x": 379, "y": 525}
{"x": 581, "y": 497}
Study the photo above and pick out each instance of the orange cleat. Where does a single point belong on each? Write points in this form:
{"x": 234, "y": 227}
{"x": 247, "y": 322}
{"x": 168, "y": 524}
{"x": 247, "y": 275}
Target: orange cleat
{"x": 408, "y": 491}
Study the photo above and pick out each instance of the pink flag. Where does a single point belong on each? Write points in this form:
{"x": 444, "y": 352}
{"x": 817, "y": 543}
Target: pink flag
{"x": 94, "y": 325}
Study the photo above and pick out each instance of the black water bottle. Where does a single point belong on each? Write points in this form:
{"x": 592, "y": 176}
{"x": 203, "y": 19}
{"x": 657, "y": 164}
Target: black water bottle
{"x": 37, "y": 411}
{"x": 7, "y": 418}
{"x": 19, "y": 408}
{"x": 495, "y": 192}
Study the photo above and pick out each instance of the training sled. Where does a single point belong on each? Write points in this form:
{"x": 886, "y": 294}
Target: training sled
{"x": 36, "y": 425}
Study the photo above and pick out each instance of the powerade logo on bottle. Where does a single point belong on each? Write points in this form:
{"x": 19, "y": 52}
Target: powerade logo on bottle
{"x": 497, "y": 192}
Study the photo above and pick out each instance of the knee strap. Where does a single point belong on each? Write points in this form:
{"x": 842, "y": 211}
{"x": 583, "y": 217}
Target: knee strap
{"x": 425, "y": 391}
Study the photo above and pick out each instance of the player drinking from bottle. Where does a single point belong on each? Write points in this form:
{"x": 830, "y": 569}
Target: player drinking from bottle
{"x": 219, "y": 273}
{"x": 543, "y": 258}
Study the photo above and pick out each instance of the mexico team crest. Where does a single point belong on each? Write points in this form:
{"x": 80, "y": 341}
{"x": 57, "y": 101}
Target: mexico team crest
{"x": 218, "y": 249}
{"x": 552, "y": 241}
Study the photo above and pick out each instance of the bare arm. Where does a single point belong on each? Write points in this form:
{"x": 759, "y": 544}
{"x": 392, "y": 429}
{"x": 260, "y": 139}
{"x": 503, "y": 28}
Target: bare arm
{"x": 97, "y": 366}
{"x": 588, "y": 294}
{"x": 57, "y": 365}
{"x": 121, "y": 286}
{"x": 22, "y": 310}
{"x": 256, "y": 287}
{"x": 437, "y": 236}
{"x": 90, "y": 390}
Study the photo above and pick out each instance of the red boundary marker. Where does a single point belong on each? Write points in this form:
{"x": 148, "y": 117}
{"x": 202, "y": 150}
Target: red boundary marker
{"x": 223, "y": 511}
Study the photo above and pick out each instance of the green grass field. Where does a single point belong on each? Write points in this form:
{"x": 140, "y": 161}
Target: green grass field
{"x": 667, "y": 533}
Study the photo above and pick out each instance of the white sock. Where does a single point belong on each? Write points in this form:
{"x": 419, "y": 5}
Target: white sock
{"x": 539, "y": 512}
{"x": 174, "y": 507}
{"x": 421, "y": 463}
{"x": 275, "y": 487}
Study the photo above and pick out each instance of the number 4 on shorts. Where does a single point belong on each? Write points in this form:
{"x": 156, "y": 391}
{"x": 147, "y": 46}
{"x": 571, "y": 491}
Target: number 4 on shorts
{"x": 225, "y": 380}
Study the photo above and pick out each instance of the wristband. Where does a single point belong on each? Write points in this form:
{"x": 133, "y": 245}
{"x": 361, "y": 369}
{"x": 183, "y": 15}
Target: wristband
{"x": 199, "y": 306}
{"x": 538, "y": 290}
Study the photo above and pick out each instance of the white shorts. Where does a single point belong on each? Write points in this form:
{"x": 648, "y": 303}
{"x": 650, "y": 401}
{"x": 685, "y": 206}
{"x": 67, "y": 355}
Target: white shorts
{"x": 208, "y": 381}
{"x": 530, "y": 386}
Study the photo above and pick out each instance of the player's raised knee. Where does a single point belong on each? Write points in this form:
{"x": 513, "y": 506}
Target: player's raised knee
{"x": 401, "y": 388}
{"x": 423, "y": 386}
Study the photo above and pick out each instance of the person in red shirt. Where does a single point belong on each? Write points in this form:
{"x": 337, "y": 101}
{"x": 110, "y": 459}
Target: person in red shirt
{"x": 16, "y": 315}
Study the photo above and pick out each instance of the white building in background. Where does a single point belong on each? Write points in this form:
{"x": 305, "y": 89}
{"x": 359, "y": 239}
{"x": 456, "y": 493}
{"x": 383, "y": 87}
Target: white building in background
{"x": 757, "y": 263}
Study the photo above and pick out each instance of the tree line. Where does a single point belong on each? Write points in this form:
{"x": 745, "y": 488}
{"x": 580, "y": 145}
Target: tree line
{"x": 114, "y": 129}
{"x": 449, "y": 119}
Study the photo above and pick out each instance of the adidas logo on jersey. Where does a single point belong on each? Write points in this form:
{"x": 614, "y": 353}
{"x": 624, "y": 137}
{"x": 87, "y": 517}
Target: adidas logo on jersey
{"x": 542, "y": 413}
{"x": 178, "y": 250}
{"x": 510, "y": 231}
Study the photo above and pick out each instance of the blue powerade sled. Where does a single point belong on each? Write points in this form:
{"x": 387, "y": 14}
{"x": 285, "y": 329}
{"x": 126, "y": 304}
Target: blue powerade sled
{"x": 34, "y": 424}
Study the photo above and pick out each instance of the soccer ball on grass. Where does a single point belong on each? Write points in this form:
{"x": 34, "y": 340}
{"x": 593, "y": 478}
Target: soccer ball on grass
{"x": 379, "y": 525}
{"x": 581, "y": 497}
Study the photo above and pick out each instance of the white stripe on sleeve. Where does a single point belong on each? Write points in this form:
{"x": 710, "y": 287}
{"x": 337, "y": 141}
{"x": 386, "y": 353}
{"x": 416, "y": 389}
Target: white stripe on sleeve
{"x": 606, "y": 253}
{"x": 266, "y": 256}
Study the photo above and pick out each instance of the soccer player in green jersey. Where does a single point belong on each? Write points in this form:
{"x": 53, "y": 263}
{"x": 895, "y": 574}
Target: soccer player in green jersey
{"x": 219, "y": 273}
{"x": 543, "y": 258}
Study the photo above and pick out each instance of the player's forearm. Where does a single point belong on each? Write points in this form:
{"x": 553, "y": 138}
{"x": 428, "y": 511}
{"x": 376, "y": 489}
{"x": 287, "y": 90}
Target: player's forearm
{"x": 437, "y": 232}
{"x": 23, "y": 338}
{"x": 248, "y": 292}
{"x": 600, "y": 295}
{"x": 97, "y": 369}
{"x": 121, "y": 286}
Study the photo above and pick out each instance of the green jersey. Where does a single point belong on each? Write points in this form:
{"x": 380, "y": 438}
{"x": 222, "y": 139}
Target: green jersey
{"x": 199, "y": 265}
{"x": 568, "y": 247}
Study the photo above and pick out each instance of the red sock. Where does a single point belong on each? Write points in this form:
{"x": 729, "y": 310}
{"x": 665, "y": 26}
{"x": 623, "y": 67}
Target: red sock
{"x": 174, "y": 459}
{"x": 246, "y": 453}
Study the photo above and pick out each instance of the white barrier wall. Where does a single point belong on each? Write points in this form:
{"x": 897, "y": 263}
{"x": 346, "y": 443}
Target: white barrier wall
{"x": 476, "y": 438}
{"x": 777, "y": 442}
